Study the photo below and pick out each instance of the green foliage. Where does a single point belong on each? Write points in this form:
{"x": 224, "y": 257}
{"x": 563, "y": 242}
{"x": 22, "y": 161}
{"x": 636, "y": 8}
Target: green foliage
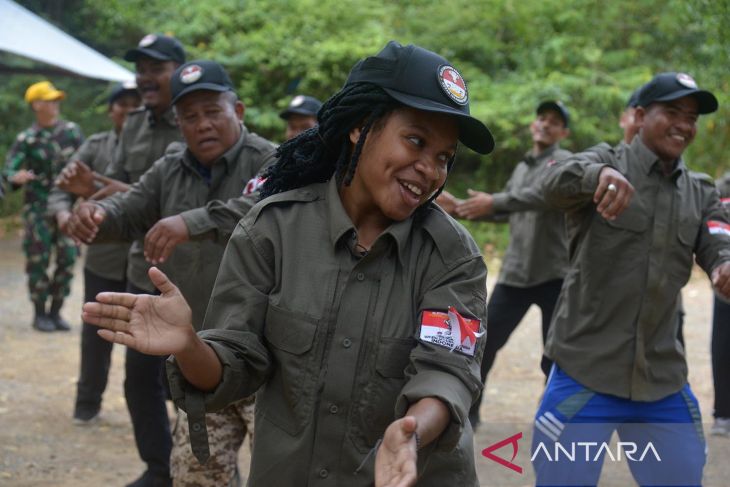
{"x": 513, "y": 54}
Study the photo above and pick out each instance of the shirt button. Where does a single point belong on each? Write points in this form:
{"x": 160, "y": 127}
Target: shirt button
{"x": 346, "y": 343}
{"x": 196, "y": 427}
{"x": 323, "y": 473}
{"x": 334, "y": 409}
{"x": 360, "y": 276}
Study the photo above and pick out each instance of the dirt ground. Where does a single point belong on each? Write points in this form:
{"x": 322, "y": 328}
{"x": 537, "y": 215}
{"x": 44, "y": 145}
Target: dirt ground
{"x": 40, "y": 446}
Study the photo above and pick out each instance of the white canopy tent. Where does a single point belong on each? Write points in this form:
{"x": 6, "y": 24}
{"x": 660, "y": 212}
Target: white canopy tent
{"x": 25, "y": 34}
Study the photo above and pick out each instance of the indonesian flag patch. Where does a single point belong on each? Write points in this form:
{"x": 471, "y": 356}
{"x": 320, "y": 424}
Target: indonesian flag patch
{"x": 451, "y": 330}
{"x": 718, "y": 228}
{"x": 725, "y": 201}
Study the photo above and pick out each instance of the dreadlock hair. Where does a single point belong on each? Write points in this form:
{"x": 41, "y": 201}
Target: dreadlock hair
{"x": 317, "y": 154}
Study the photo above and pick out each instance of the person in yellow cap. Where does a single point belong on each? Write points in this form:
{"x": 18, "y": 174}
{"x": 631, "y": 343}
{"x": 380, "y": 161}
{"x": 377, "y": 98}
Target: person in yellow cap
{"x": 37, "y": 156}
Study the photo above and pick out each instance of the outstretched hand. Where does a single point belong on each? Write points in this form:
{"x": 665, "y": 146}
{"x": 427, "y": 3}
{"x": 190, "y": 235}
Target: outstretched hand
{"x": 163, "y": 237}
{"x": 155, "y": 325}
{"x": 721, "y": 280}
{"x": 478, "y": 205}
{"x": 395, "y": 462}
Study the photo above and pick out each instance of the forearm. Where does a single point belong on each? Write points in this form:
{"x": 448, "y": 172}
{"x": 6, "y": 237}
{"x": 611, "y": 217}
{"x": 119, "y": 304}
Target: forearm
{"x": 200, "y": 365}
{"x": 432, "y": 417}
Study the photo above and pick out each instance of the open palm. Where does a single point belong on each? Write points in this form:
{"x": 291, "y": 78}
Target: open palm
{"x": 155, "y": 325}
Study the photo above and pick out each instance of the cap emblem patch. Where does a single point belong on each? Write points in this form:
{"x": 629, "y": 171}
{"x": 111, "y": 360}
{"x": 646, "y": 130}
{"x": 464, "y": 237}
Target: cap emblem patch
{"x": 298, "y": 100}
{"x": 453, "y": 84}
{"x": 686, "y": 80}
{"x": 191, "y": 74}
{"x": 147, "y": 40}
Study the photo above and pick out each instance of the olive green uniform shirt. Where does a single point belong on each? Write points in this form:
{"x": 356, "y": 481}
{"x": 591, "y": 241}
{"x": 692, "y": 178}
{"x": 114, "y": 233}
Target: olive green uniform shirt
{"x": 175, "y": 186}
{"x": 614, "y": 328}
{"x": 723, "y": 186}
{"x": 107, "y": 260}
{"x": 143, "y": 141}
{"x": 329, "y": 339}
{"x": 538, "y": 245}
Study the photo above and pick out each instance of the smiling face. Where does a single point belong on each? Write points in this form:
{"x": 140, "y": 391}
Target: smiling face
{"x": 404, "y": 161}
{"x": 153, "y": 82}
{"x": 547, "y": 129}
{"x": 210, "y": 122}
{"x": 668, "y": 128}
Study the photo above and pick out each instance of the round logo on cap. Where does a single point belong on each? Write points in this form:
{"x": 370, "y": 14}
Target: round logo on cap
{"x": 191, "y": 74}
{"x": 147, "y": 40}
{"x": 686, "y": 80}
{"x": 453, "y": 84}
{"x": 298, "y": 100}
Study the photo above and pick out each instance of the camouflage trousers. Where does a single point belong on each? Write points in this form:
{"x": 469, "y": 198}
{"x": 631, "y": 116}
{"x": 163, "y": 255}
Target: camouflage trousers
{"x": 226, "y": 431}
{"x": 41, "y": 238}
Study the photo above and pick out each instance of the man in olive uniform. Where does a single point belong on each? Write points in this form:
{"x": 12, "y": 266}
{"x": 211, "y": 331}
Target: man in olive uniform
{"x": 35, "y": 159}
{"x": 636, "y": 217}
{"x": 536, "y": 259}
{"x": 106, "y": 264}
{"x": 300, "y": 115}
{"x": 219, "y": 158}
{"x": 721, "y": 343}
{"x": 144, "y": 138}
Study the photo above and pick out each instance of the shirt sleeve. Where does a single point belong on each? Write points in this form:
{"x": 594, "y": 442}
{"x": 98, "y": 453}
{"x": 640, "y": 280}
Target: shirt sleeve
{"x": 218, "y": 216}
{"x": 15, "y": 158}
{"x": 435, "y": 371}
{"x": 712, "y": 246}
{"x": 234, "y": 322}
{"x": 131, "y": 214}
{"x": 570, "y": 185}
{"x": 115, "y": 169}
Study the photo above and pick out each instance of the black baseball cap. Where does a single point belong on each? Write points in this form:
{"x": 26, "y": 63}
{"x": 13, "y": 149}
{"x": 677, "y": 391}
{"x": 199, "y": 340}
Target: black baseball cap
{"x": 556, "y": 106}
{"x": 121, "y": 89}
{"x": 199, "y": 75}
{"x": 302, "y": 105}
{"x": 671, "y": 86}
{"x": 633, "y": 99}
{"x": 423, "y": 80}
{"x": 157, "y": 46}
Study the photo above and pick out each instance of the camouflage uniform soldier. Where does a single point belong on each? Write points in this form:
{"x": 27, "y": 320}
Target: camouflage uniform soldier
{"x": 35, "y": 159}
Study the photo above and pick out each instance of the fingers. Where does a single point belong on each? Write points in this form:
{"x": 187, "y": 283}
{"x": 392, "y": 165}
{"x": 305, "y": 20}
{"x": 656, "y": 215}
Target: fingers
{"x": 613, "y": 193}
{"x": 721, "y": 280}
{"x": 84, "y": 223}
{"x": 154, "y": 242}
{"x": 161, "y": 282}
{"x": 118, "y": 299}
{"x": 118, "y": 337}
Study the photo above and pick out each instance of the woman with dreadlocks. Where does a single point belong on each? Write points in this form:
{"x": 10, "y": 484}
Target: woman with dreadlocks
{"x": 346, "y": 299}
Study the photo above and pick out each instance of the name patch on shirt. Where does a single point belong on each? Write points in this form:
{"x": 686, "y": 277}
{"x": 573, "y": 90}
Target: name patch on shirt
{"x": 451, "y": 330}
{"x": 718, "y": 228}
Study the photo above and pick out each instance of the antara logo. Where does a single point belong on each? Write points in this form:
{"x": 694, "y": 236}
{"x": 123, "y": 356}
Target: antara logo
{"x": 512, "y": 440}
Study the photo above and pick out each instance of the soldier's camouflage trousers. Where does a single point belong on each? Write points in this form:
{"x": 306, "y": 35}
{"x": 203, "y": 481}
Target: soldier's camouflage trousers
{"x": 41, "y": 238}
{"x": 226, "y": 431}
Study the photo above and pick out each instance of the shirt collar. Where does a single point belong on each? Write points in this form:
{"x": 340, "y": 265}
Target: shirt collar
{"x": 168, "y": 117}
{"x": 647, "y": 160}
{"x": 340, "y": 225}
{"x": 530, "y": 158}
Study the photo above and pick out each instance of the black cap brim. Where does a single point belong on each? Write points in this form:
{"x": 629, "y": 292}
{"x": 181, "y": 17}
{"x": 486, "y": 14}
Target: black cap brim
{"x": 134, "y": 54}
{"x": 199, "y": 87}
{"x": 296, "y": 111}
{"x": 472, "y": 132}
{"x": 706, "y": 101}
{"x": 121, "y": 93}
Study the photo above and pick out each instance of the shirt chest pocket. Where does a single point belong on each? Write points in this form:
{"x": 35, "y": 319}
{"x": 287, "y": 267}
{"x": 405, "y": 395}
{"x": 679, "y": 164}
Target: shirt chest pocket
{"x": 288, "y": 396}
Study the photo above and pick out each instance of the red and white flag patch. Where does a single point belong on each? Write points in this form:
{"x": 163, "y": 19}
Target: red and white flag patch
{"x": 253, "y": 185}
{"x": 451, "y": 330}
{"x": 718, "y": 228}
{"x": 725, "y": 201}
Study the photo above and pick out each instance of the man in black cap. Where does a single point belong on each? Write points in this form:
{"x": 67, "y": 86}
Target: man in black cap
{"x": 300, "y": 115}
{"x": 173, "y": 206}
{"x": 144, "y": 138}
{"x": 536, "y": 259}
{"x": 636, "y": 217}
{"x": 106, "y": 264}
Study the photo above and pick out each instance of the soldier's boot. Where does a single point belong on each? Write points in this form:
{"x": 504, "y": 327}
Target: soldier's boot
{"x": 55, "y": 316}
{"x": 41, "y": 321}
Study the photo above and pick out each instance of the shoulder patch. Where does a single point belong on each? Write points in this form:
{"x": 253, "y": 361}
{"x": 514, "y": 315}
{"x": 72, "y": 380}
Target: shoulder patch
{"x": 451, "y": 330}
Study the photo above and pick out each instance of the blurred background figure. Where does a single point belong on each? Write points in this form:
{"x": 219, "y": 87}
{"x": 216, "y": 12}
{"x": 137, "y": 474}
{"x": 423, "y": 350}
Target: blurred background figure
{"x": 34, "y": 160}
{"x": 300, "y": 115}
